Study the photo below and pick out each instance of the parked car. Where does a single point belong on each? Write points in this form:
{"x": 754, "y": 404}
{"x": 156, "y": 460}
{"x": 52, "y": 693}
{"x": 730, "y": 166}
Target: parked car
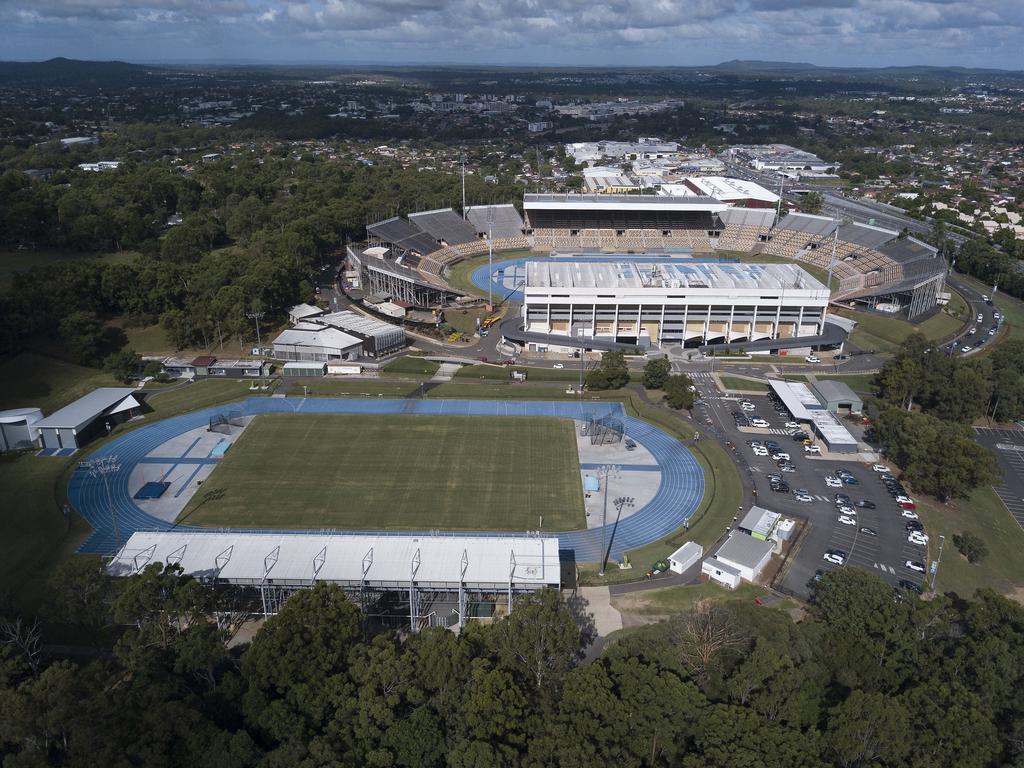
{"x": 868, "y": 531}
{"x": 866, "y": 504}
{"x": 909, "y": 514}
{"x": 771, "y": 445}
{"x": 834, "y": 556}
{"x": 915, "y": 566}
{"x": 812, "y": 359}
{"x": 558, "y": 366}
{"x": 804, "y": 497}
{"x": 759, "y": 423}
{"x": 833, "y": 482}
{"x": 880, "y": 468}
{"x": 918, "y": 537}
{"x": 847, "y": 520}
{"x": 914, "y": 525}
{"x": 850, "y": 480}
{"x": 847, "y": 510}
{"x": 791, "y": 425}
{"x": 780, "y": 456}
{"x": 910, "y": 586}
{"x": 760, "y": 451}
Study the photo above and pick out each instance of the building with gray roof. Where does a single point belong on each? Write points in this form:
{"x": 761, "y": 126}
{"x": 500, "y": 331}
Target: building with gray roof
{"x": 837, "y": 397}
{"x": 445, "y": 226}
{"x": 500, "y": 221}
{"x": 75, "y": 424}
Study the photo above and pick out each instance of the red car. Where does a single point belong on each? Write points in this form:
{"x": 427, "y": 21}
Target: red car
{"x": 907, "y": 505}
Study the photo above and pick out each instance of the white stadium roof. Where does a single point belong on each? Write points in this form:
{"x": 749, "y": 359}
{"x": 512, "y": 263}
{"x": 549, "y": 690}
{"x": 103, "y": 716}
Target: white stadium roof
{"x": 633, "y": 274}
{"x": 299, "y": 559}
{"x": 599, "y": 202}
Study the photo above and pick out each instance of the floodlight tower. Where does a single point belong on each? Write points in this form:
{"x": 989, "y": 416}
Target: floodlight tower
{"x": 490, "y": 251}
{"x": 256, "y": 316}
{"x": 605, "y": 472}
{"x": 102, "y": 469}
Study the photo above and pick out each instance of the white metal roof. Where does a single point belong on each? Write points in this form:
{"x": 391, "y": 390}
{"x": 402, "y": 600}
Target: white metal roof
{"x": 283, "y": 559}
{"x": 86, "y": 408}
{"x": 578, "y": 202}
{"x": 729, "y": 189}
{"x": 636, "y": 274}
{"x": 300, "y": 311}
{"x": 311, "y": 335}
{"x": 743, "y": 550}
{"x": 804, "y": 405}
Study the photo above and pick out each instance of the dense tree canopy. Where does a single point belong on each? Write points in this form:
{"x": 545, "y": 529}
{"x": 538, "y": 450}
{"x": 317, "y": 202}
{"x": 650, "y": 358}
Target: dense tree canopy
{"x": 864, "y": 680}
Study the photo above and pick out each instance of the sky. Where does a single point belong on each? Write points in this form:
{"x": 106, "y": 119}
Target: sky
{"x": 977, "y": 33}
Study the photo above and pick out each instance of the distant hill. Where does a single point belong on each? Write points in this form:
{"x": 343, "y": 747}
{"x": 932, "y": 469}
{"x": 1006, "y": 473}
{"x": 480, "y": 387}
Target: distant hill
{"x": 61, "y": 71}
{"x": 754, "y": 65}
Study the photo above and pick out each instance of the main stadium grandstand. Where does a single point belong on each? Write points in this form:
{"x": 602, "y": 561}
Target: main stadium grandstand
{"x": 621, "y": 223}
{"x": 407, "y": 258}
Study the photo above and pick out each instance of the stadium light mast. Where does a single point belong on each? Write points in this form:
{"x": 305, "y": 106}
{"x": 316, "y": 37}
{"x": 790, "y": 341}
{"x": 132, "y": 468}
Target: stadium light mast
{"x": 606, "y": 471}
{"x": 256, "y": 316}
{"x": 490, "y": 249}
{"x": 832, "y": 263}
{"x": 102, "y": 469}
{"x": 778, "y": 207}
{"x": 463, "y": 158}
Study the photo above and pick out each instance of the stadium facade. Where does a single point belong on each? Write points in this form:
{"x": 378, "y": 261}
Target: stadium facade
{"x": 653, "y": 303}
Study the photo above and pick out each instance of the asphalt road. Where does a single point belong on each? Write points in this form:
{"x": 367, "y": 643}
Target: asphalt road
{"x": 884, "y": 554}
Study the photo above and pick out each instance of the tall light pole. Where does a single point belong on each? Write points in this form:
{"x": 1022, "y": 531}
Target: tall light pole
{"x": 620, "y": 502}
{"x": 605, "y": 472}
{"x": 102, "y": 469}
{"x": 490, "y": 252}
{"x": 938, "y": 559}
{"x": 256, "y": 316}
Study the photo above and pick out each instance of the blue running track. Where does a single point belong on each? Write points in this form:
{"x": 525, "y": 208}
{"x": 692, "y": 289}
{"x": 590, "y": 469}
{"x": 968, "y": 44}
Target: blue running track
{"x": 680, "y": 492}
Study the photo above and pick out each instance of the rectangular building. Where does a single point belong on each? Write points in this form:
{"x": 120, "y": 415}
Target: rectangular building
{"x": 94, "y": 414}
{"x": 655, "y": 303}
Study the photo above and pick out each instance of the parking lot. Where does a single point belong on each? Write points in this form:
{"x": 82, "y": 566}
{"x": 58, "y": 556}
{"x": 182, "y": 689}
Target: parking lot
{"x": 1008, "y": 445}
{"x": 884, "y": 549}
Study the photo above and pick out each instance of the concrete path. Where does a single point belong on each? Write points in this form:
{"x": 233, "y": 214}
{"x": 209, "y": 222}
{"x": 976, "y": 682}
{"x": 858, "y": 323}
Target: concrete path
{"x": 606, "y": 618}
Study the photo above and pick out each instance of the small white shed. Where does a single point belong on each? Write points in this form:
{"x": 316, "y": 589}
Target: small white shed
{"x": 683, "y": 558}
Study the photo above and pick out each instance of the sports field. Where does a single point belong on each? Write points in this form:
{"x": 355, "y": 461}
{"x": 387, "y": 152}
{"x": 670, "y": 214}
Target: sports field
{"x": 384, "y": 472}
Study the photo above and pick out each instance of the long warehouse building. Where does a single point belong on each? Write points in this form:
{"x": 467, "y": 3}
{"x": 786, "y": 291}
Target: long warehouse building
{"x": 656, "y": 303}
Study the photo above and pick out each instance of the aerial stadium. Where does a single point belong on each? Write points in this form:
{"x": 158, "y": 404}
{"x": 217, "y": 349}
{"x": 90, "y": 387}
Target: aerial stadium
{"x": 433, "y": 511}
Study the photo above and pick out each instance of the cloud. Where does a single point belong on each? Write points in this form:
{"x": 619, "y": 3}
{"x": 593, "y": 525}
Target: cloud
{"x": 562, "y": 31}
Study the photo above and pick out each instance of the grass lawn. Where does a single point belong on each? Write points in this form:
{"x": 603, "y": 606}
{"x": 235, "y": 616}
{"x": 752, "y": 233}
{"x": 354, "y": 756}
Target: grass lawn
{"x": 35, "y": 536}
{"x": 397, "y": 472}
{"x": 671, "y": 600}
{"x": 353, "y": 387}
{"x": 414, "y": 365}
{"x": 199, "y": 394}
{"x": 885, "y": 334}
{"x": 31, "y": 379}
{"x": 858, "y": 382}
{"x": 543, "y": 391}
{"x": 984, "y": 515}
{"x": 464, "y": 320}
{"x": 734, "y": 382}
{"x": 570, "y": 373}
{"x": 149, "y": 339}
{"x": 459, "y": 275}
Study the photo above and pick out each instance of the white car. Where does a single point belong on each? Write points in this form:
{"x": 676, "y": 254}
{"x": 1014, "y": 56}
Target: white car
{"x": 980, "y": 317}
{"x": 847, "y": 520}
{"x": 914, "y": 566}
{"x": 909, "y": 514}
{"x": 759, "y": 423}
{"x": 846, "y": 509}
{"x": 834, "y": 556}
{"x": 791, "y": 425}
{"x": 812, "y": 449}
{"x": 901, "y": 499}
{"x": 812, "y": 359}
{"x": 833, "y": 482}
{"x": 916, "y": 537}
{"x": 879, "y": 468}
{"x": 804, "y": 497}
{"x": 760, "y": 451}
{"x": 991, "y": 331}
{"x": 558, "y": 365}
{"x": 748, "y": 406}
{"x": 780, "y": 455}
{"x": 965, "y": 350}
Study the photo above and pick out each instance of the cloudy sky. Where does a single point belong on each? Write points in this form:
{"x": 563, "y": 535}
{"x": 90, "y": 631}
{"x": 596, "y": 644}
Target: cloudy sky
{"x": 561, "y": 32}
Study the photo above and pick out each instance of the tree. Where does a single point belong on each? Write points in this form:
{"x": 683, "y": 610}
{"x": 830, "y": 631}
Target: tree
{"x": 122, "y": 364}
{"x": 868, "y": 729}
{"x": 82, "y": 333}
{"x": 939, "y": 458}
{"x": 702, "y": 635}
{"x": 970, "y": 546}
{"x": 810, "y": 203}
{"x": 539, "y": 639}
{"x": 656, "y": 371}
{"x": 677, "y": 390}
{"x": 611, "y": 373}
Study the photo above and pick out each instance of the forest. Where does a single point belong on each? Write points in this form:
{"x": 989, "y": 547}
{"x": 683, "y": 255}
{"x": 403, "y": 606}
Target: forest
{"x": 864, "y": 678}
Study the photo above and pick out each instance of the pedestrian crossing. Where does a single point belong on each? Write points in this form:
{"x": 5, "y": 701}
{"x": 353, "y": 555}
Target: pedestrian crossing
{"x": 701, "y": 376}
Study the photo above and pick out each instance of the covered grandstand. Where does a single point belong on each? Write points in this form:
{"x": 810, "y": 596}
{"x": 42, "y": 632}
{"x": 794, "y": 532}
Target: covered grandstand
{"x": 445, "y": 226}
{"x": 420, "y": 580}
{"x": 498, "y": 221}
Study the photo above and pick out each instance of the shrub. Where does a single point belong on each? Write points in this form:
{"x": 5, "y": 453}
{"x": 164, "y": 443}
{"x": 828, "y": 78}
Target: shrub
{"x": 970, "y": 546}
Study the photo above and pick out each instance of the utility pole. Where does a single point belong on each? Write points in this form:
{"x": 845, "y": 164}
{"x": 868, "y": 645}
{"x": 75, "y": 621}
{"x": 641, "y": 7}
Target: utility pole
{"x": 831, "y": 264}
{"x": 256, "y": 316}
{"x": 102, "y": 469}
{"x": 935, "y": 568}
{"x": 490, "y": 255}
{"x": 778, "y": 208}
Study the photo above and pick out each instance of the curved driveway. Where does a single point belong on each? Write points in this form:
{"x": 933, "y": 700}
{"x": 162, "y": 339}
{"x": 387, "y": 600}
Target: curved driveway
{"x": 679, "y": 494}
